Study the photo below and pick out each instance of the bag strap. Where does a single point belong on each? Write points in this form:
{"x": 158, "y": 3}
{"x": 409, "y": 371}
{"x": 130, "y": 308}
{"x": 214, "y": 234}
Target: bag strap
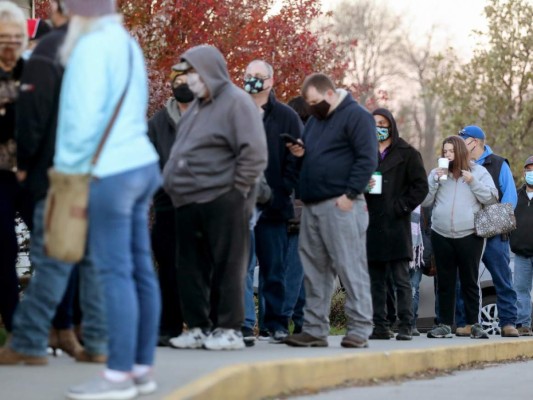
{"x": 115, "y": 113}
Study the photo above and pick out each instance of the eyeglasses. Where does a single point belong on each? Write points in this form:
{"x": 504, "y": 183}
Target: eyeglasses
{"x": 469, "y": 143}
{"x": 248, "y": 76}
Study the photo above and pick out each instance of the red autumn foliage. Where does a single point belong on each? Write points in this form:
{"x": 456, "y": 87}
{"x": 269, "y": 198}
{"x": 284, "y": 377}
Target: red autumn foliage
{"x": 241, "y": 30}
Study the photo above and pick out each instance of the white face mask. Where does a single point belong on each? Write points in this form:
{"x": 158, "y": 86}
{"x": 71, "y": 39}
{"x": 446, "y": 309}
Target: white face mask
{"x": 196, "y": 85}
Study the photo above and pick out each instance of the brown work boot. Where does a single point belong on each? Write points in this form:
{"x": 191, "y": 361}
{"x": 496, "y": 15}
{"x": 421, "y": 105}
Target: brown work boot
{"x": 353, "y": 342}
{"x": 84, "y": 356}
{"x": 463, "y": 331}
{"x": 304, "y": 340}
{"x": 509, "y": 331}
{"x": 68, "y": 342}
{"x": 525, "y": 331}
{"x": 8, "y": 356}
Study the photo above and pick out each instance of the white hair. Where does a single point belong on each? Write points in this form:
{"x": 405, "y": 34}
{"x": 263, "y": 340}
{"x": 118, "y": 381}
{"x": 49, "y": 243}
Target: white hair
{"x": 11, "y": 13}
{"x": 268, "y": 67}
{"x": 77, "y": 27}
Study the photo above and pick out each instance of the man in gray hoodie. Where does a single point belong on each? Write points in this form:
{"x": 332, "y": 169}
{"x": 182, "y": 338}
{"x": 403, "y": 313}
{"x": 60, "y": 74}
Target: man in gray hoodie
{"x": 218, "y": 156}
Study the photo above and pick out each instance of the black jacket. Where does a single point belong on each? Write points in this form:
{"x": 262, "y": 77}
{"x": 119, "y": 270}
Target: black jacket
{"x": 340, "y": 152}
{"x": 404, "y": 187}
{"x": 10, "y": 201}
{"x": 162, "y": 128}
{"x": 282, "y": 170}
{"x": 37, "y": 111}
{"x": 521, "y": 237}
{"x": 9, "y": 86}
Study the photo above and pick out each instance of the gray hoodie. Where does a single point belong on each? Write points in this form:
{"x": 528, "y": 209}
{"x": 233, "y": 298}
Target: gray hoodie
{"x": 455, "y": 202}
{"x": 220, "y": 142}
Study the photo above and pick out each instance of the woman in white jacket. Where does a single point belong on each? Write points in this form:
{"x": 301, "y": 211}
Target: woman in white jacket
{"x": 455, "y": 199}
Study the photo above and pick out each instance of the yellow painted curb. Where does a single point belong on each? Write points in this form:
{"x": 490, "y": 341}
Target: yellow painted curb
{"x": 272, "y": 378}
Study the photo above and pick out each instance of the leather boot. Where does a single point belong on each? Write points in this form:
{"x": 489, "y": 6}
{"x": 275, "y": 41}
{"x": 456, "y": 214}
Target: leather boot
{"x": 8, "y": 356}
{"x": 84, "y": 356}
{"x": 67, "y": 341}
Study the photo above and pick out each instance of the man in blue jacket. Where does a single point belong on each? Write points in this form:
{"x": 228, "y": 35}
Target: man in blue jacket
{"x": 496, "y": 256}
{"x": 338, "y": 159}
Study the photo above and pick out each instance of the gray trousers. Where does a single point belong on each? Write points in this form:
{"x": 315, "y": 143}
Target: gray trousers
{"x": 333, "y": 243}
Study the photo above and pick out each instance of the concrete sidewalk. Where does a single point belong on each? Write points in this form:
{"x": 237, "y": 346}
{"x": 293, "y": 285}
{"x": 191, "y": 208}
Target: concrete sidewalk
{"x": 268, "y": 370}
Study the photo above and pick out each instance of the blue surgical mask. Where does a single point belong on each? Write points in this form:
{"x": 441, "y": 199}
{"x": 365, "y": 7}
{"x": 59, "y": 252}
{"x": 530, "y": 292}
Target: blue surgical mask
{"x": 529, "y": 178}
{"x": 383, "y": 133}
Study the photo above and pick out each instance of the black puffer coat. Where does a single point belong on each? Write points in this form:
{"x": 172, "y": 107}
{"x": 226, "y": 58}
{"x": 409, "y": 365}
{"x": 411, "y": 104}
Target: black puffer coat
{"x": 404, "y": 188}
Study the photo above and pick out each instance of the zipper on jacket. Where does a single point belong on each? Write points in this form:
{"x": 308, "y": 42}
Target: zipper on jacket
{"x": 452, "y": 226}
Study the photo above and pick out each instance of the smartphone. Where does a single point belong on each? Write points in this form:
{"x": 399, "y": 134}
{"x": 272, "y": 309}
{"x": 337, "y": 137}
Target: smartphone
{"x": 290, "y": 139}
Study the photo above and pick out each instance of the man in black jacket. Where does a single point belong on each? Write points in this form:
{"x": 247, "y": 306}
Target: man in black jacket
{"x": 162, "y": 128}
{"x": 271, "y": 235}
{"x": 522, "y": 246}
{"x": 389, "y": 240}
{"x": 338, "y": 160}
{"x": 37, "y": 112}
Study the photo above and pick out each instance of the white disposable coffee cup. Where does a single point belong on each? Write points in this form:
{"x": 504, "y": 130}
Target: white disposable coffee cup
{"x": 378, "y": 178}
{"x": 444, "y": 163}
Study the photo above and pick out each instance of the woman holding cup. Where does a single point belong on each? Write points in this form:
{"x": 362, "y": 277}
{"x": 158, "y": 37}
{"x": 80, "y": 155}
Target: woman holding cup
{"x": 456, "y": 193}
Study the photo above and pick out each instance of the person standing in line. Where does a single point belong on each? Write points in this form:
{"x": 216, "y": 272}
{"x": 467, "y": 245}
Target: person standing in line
{"x": 13, "y": 41}
{"x": 522, "y": 246}
{"x": 52, "y": 288}
{"x": 162, "y": 128}
{"x": 295, "y": 300}
{"x": 211, "y": 176}
{"x": 456, "y": 195}
{"x": 271, "y": 230}
{"x": 496, "y": 255}
{"x": 389, "y": 240}
{"x": 105, "y": 75}
{"x": 338, "y": 154}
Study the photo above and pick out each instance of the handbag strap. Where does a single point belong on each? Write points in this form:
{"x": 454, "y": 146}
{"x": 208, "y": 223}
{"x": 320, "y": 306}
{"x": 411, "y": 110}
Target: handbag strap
{"x": 115, "y": 113}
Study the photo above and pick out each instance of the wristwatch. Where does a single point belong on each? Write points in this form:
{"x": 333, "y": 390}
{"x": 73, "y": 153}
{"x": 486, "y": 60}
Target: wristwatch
{"x": 351, "y": 194}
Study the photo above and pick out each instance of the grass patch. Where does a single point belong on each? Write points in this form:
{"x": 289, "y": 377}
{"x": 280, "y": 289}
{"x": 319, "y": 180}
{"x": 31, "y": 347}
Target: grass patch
{"x": 337, "y": 318}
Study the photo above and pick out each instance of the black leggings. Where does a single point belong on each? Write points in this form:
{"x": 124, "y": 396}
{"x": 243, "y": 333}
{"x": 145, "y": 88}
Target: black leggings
{"x": 451, "y": 255}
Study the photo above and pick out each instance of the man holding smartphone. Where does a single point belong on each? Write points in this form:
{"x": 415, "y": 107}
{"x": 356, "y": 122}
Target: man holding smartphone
{"x": 271, "y": 234}
{"x": 339, "y": 157}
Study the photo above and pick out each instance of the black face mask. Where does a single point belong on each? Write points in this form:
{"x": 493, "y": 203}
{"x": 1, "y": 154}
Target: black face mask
{"x": 183, "y": 94}
{"x": 320, "y": 110}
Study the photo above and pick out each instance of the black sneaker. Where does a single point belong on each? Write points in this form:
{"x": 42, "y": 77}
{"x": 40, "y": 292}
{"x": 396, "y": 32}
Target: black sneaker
{"x": 477, "y": 332}
{"x": 404, "y": 334}
{"x": 248, "y": 336}
{"x": 415, "y": 332}
{"x": 263, "y": 336}
{"x": 440, "y": 331}
{"x": 378, "y": 334}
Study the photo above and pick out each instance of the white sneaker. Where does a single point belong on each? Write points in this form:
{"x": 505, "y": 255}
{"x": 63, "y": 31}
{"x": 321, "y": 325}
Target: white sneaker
{"x": 224, "y": 339}
{"x": 102, "y": 389}
{"x": 192, "y": 339}
{"x": 145, "y": 384}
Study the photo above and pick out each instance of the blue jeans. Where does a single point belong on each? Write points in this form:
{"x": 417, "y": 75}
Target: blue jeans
{"x": 249, "y": 303}
{"x": 294, "y": 283}
{"x": 271, "y": 240}
{"x": 523, "y": 277}
{"x": 34, "y": 314}
{"x": 65, "y": 310}
{"x": 415, "y": 276}
{"x": 120, "y": 242}
{"x": 496, "y": 258}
